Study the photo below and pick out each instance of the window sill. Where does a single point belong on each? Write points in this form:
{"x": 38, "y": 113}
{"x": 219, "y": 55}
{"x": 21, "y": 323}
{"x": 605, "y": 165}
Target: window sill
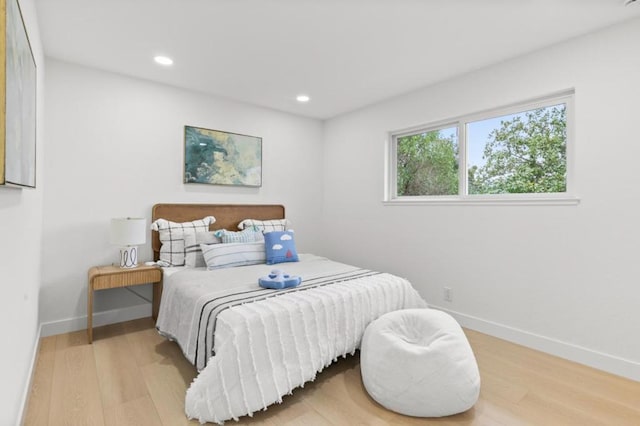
{"x": 564, "y": 200}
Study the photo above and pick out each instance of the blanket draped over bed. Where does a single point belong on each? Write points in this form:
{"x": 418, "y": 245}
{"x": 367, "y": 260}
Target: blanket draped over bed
{"x": 255, "y": 345}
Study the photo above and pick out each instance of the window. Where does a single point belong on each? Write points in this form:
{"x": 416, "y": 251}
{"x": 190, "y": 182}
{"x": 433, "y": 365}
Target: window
{"x": 427, "y": 162}
{"x": 509, "y": 154}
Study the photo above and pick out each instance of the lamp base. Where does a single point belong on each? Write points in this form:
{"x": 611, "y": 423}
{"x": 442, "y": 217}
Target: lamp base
{"x": 129, "y": 257}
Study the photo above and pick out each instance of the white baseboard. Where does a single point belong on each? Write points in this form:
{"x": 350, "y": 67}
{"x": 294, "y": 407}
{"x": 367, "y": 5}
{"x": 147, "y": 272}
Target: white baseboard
{"x": 601, "y": 361}
{"x": 99, "y": 318}
{"x": 27, "y": 389}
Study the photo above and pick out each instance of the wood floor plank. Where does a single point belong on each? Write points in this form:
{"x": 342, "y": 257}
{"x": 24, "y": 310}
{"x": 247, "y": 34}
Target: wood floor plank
{"x": 307, "y": 418}
{"x": 575, "y": 408}
{"x": 40, "y": 395}
{"x": 585, "y": 394}
{"x": 167, "y": 382}
{"x": 118, "y": 374}
{"x": 75, "y": 393}
{"x": 144, "y": 342}
{"x": 489, "y": 412}
{"x": 599, "y": 383}
{"x": 292, "y": 411}
{"x": 547, "y": 385}
{"x": 71, "y": 340}
{"x": 499, "y": 388}
{"x": 342, "y": 388}
{"x": 520, "y": 387}
{"x": 137, "y": 412}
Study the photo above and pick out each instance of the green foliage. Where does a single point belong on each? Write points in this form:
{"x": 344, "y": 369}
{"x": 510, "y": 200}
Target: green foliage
{"x": 427, "y": 164}
{"x": 527, "y": 154}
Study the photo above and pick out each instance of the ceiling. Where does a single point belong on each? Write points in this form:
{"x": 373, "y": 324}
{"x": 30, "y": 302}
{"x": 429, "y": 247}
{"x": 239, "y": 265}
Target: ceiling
{"x": 345, "y": 54}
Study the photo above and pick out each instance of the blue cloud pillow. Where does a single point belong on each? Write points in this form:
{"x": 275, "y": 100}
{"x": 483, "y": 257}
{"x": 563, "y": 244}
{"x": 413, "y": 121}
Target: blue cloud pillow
{"x": 280, "y": 247}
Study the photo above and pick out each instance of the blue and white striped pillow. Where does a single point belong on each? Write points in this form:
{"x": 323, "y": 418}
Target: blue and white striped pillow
{"x": 265, "y": 225}
{"x": 248, "y": 235}
{"x": 219, "y": 256}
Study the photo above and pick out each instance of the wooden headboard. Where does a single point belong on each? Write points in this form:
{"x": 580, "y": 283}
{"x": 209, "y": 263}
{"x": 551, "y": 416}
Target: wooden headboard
{"x": 227, "y": 216}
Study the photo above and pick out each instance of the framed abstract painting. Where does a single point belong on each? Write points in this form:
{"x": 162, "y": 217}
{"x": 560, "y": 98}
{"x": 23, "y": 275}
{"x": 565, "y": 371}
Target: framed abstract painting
{"x": 216, "y": 157}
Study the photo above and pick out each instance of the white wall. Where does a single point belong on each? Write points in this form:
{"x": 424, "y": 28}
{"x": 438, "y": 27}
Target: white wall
{"x": 560, "y": 278}
{"x": 20, "y": 260}
{"x": 115, "y": 148}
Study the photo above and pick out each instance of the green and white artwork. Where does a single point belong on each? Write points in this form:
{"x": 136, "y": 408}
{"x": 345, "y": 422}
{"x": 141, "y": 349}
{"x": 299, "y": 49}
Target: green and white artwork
{"x": 221, "y": 158}
{"x": 20, "y": 114}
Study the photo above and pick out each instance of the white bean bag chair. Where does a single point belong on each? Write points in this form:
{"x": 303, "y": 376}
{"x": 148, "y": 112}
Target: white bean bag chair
{"x": 418, "y": 362}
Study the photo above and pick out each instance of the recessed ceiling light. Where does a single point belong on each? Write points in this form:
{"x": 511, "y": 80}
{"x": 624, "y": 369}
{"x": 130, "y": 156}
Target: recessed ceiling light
{"x": 163, "y": 60}
{"x": 303, "y": 98}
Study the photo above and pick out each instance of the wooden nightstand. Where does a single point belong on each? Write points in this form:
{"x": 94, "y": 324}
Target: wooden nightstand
{"x": 104, "y": 277}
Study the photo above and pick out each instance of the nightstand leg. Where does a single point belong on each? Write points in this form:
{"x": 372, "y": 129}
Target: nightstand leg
{"x": 90, "y": 314}
{"x": 157, "y": 295}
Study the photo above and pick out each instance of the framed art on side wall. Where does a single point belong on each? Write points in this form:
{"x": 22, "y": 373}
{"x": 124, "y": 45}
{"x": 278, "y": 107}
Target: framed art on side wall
{"x": 222, "y": 158}
{"x": 18, "y": 96}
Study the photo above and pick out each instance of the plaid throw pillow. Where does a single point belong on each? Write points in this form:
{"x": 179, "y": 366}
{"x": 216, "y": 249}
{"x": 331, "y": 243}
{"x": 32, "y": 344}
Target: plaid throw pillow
{"x": 172, "y": 236}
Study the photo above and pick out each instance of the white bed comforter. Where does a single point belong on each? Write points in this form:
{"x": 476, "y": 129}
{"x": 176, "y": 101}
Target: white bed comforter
{"x": 268, "y": 342}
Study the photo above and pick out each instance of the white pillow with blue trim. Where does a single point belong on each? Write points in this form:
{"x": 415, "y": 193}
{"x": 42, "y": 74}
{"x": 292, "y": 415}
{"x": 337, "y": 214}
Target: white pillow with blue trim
{"x": 193, "y": 251}
{"x": 218, "y": 256}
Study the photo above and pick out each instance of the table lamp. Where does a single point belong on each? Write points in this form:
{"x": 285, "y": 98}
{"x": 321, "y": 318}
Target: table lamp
{"x": 128, "y": 233}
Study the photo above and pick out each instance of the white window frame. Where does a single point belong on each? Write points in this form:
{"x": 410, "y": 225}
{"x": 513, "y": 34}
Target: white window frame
{"x": 559, "y": 198}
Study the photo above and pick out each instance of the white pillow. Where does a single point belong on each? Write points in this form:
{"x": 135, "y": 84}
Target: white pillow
{"x": 265, "y": 225}
{"x": 193, "y": 251}
{"x": 219, "y": 256}
{"x": 172, "y": 236}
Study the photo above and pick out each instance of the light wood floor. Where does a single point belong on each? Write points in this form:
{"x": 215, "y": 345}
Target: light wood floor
{"x": 132, "y": 376}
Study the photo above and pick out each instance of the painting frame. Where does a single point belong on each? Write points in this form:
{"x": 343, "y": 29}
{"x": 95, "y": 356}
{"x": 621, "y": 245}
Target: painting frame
{"x": 18, "y": 75}
{"x": 218, "y": 157}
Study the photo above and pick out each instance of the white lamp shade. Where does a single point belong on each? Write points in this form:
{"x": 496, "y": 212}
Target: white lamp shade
{"x": 128, "y": 231}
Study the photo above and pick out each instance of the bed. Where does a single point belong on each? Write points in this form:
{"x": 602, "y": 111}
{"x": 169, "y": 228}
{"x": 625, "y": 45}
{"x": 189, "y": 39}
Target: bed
{"x": 252, "y": 345}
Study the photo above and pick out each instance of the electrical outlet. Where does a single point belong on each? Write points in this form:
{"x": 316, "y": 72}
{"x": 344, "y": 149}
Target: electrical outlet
{"x": 448, "y": 294}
